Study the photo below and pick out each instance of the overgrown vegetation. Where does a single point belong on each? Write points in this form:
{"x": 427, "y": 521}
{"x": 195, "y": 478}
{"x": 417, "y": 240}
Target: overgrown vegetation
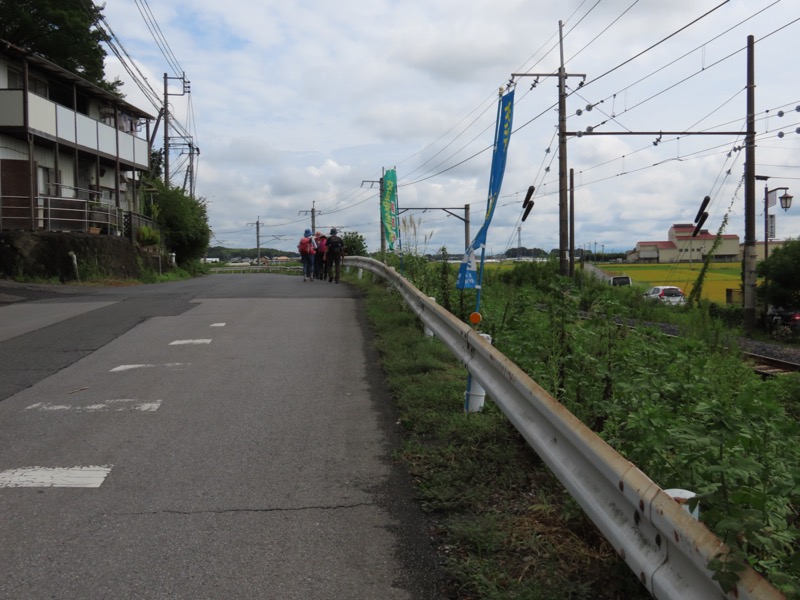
{"x": 781, "y": 272}
{"x": 184, "y": 223}
{"x": 686, "y": 410}
{"x": 148, "y": 236}
{"x": 505, "y": 526}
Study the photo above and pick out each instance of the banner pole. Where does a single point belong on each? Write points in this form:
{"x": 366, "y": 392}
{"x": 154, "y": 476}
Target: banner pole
{"x": 480, "y": 280}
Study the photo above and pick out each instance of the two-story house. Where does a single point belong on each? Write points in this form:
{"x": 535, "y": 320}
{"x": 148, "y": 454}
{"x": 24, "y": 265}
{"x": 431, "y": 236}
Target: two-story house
{"x": 72, "y": 154}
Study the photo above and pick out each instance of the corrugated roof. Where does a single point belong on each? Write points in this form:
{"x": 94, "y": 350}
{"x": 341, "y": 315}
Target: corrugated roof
{"x": 43, "y": 64}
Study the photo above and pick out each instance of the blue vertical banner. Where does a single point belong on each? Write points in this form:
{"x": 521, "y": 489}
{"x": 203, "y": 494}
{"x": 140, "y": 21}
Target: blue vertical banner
{"x": 468, "y": 271}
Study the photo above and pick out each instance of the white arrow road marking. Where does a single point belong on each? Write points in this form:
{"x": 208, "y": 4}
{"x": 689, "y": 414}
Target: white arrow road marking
{"x": 130, "y": 367}
{"x": 91, "y": 477}
{"x": 218, "y": 325}
{"x": 183, "y": 342}
{"x": 116, "y": 405}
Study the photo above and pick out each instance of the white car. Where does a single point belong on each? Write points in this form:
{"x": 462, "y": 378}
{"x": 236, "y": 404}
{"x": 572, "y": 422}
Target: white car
{"x": 668, "y": 294}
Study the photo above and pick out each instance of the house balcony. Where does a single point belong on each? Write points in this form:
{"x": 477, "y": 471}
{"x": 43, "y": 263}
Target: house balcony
{"x": 66, "y": 126}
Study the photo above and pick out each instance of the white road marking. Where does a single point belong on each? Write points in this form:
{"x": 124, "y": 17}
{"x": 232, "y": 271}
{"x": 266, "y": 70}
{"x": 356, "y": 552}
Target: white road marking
{"x": 218, "y": 325}
{"x": 91, "y": 477}
{"x": 184, "y": 342}
{"x": 130, "y": 367}
{"x": 116, "y": 405}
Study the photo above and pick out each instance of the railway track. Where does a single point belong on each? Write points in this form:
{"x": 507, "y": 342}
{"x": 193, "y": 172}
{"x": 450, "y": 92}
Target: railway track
{"x": 770, "y": 367}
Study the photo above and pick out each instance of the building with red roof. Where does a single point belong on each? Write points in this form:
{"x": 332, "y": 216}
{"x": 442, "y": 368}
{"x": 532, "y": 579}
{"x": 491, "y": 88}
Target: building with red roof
{"x": 682, "y": 247}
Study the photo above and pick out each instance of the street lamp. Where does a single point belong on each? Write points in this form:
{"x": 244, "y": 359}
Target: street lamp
{"x": 786, "y": 202}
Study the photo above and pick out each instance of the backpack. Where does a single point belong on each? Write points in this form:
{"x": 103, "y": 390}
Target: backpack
{"x": 335, "y": 246}
{"x": 306, "y": 246}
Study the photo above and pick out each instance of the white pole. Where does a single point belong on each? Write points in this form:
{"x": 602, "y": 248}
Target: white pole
{"x": 476, "y": 394}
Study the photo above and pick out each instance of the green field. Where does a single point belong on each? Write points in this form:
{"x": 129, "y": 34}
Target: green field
{"x": 720, "y": 277}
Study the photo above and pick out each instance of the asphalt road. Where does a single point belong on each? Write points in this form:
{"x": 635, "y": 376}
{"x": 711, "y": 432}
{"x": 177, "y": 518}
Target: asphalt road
{"x": 223, "y": 437}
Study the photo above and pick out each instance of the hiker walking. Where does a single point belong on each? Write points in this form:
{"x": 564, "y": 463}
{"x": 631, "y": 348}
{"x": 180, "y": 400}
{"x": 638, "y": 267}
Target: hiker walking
{"x": 307, "y": 247}
{"x": 319, "y": 257}
{"x": 335, "y": 250}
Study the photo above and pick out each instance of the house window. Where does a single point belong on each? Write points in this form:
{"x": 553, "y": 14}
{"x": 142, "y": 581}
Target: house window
{"x": 14, "y": 79}
{"x": 35, "y": 85}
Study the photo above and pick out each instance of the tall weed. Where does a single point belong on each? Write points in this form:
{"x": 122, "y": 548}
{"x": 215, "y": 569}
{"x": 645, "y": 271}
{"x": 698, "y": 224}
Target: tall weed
{"x": 686, "y": 410}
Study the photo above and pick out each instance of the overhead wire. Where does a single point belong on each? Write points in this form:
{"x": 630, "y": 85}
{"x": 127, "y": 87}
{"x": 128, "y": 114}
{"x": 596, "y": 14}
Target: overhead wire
{"x": 158, "y": 36}
{"x": 427, "y": 176}
{"x": 488, "y": 102}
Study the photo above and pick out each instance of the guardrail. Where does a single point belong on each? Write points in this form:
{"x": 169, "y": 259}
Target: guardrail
{"x": 664, "y": 546}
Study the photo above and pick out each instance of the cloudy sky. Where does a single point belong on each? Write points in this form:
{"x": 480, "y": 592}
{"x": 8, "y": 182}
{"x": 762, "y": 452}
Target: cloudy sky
{"x": 294, "y": 105}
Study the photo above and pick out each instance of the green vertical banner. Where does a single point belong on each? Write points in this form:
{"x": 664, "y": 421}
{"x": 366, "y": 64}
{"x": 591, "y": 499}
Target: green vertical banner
{"x": 389, "y": 208}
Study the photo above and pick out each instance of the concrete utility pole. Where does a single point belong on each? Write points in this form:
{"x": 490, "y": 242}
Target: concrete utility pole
{"x": 258, "y": 237}
{"x": 313, "y": 216}
{"x": 563, "y": 233}
{"x": 185, "y": 90}
{"x": 563, "y": 212}
{"x": 572, "y": 222}
{"x": 749, "y": 266}
{"x": 166, "y": 132}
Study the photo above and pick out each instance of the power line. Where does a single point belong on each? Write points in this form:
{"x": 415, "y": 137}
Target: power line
{"x": 158, "y": 35}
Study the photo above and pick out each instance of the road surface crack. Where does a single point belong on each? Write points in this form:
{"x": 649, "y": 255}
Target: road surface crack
{"x": 220, "y": 511}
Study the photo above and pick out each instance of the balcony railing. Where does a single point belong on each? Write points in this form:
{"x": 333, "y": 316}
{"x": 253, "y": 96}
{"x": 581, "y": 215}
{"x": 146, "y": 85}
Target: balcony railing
{"x": 66, "y": 125}
{"x": 62, "y": 214}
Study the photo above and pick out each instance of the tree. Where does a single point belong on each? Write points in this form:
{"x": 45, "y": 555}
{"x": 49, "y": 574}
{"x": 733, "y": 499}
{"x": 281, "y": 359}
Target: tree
{"x": 781, "y": 273}
{"x": 183, "y": 221}
{"x": 354, "y": 244}
{"x": 64, "y": 32}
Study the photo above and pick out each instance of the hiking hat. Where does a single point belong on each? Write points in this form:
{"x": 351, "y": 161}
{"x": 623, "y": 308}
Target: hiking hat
{"x": 307, "y": 233}
{"x": 333, "y": 231}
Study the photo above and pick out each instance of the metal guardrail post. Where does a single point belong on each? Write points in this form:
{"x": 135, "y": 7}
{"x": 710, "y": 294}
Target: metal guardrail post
{"x": 665, "y": 547}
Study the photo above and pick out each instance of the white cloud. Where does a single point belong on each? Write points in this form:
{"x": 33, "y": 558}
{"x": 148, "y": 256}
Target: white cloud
{"x": 295, "y": 104}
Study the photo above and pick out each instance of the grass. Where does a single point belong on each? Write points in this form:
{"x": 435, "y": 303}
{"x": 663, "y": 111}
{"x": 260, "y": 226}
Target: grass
{"x": 504, "y": 525}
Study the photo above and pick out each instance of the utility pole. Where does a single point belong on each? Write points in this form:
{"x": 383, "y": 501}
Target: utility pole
{"x": 313, "y": 216}
{"x": 186, "y": 89}
{"x": 572, "y": 223}
{"x": 519, "y": 242}
{"x": 258, "y": 238}
{"x": 467, "y": 239}
{"x": 166, "y": 133}
{"x": 749, "y": 266}
{"x": 563, "y": 232}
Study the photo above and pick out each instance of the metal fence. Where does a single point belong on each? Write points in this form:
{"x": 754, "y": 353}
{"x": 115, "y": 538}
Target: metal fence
{"x": 65, "y": 214}
{"x": 666, "y": 548}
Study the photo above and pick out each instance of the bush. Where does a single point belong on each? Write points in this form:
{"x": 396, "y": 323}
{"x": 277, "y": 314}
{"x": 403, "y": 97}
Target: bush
{"x": 148, "y": 236}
